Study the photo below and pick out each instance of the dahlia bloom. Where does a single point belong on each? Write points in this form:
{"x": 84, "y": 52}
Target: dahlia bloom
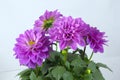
{"x": 96, "y": 40}
{"x": 83, "y": 30}
{"x": 68, "y": 32}
{"x": 32, "y": 48}
{"x": 47, "y": 20}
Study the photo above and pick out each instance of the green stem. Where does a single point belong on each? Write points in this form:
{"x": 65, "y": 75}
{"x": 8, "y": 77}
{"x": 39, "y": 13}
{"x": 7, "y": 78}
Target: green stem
{"x": 84, "y": 51}
{"x": 83, "y": 54}
{"x": 75, "y": 51}
{"x": 91, "y": 56}
{"x": 37, "y": 71}
{"x": 65, "y": 54}
{"x": 56, "y": 47}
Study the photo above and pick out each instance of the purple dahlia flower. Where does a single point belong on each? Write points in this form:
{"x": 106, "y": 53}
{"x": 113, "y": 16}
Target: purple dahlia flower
{"x": 68, "y": 32}
{"x": 83, "y": 30}
{"x": 47, "y": 20}
{"x": 32, "y": 48}
{"x": 96, "y": 40}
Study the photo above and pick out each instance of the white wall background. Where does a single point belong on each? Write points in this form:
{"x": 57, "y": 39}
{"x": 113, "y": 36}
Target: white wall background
{"x": 18, "y": 15}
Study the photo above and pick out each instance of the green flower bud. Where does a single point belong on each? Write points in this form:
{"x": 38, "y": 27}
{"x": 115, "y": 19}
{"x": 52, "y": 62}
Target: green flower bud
{"x": 64, "y": 52}
{"x": 88, "y": 71}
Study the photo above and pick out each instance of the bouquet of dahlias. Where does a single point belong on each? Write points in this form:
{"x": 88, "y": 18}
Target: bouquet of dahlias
{"x": 55, "y": 49}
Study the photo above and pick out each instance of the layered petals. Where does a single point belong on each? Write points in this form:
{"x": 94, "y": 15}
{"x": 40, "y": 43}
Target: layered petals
{"x": 47, "y": 20}
{"x": 32, "y": 48}
{"x": 96, "y": 40}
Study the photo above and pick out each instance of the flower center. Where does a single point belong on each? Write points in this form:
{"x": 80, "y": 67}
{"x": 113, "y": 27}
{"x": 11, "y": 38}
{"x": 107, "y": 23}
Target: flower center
{"x": 31, "y": 43}
{"x": 68, "y": 36}
{"x": 48, "y": 23}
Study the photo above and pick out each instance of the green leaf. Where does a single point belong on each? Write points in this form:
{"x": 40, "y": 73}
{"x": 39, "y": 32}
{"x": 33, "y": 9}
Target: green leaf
{"x": 79, "y": 66}
{"x": 97, "y": 75}
{"x": 77, "y": 71}
{"x": 48, "y": 75}
{"x": 58, "y": 72}
{"x": 92, "y": 66}
{"x": 39, "y": 78}
{"x": 63, "y": 58}
{"x": 53, "y": 54}
{"x": 88, "y": 77}
{"x": 33, "y": 76}
{"x": 25, "y": 73}
{"x": 25, "y": 78}
{"x": 67, "y": 64}
{"x": 78, "y": 62}
{"x": 44, "y": 68}
{"x": 71, "y": 57}
{"x": 103, "y": 66}
{"x": 67, "y": 76}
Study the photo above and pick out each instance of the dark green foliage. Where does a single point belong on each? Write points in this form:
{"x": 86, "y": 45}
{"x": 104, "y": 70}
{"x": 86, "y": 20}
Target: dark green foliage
{"x": 103, "y": 66}
{"x": 65, "y": 67}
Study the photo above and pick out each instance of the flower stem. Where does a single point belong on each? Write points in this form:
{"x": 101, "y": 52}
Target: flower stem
{"x": 65, "y": 54}
{"x": 84, "y": 51}
{"x": 56, "y": 46}
{"x": 83, "y": 54}
{"x": 36, "y": 71}
{"x": 91, "y": 56}
{"x": 75, "y": 51}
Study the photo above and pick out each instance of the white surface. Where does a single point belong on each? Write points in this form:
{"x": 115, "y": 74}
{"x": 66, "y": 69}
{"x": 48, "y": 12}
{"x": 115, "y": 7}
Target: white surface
{"x": 18, "y": 15}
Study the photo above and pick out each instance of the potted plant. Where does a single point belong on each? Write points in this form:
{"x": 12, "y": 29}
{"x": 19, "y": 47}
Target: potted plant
{"x": 55, "y": 49}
